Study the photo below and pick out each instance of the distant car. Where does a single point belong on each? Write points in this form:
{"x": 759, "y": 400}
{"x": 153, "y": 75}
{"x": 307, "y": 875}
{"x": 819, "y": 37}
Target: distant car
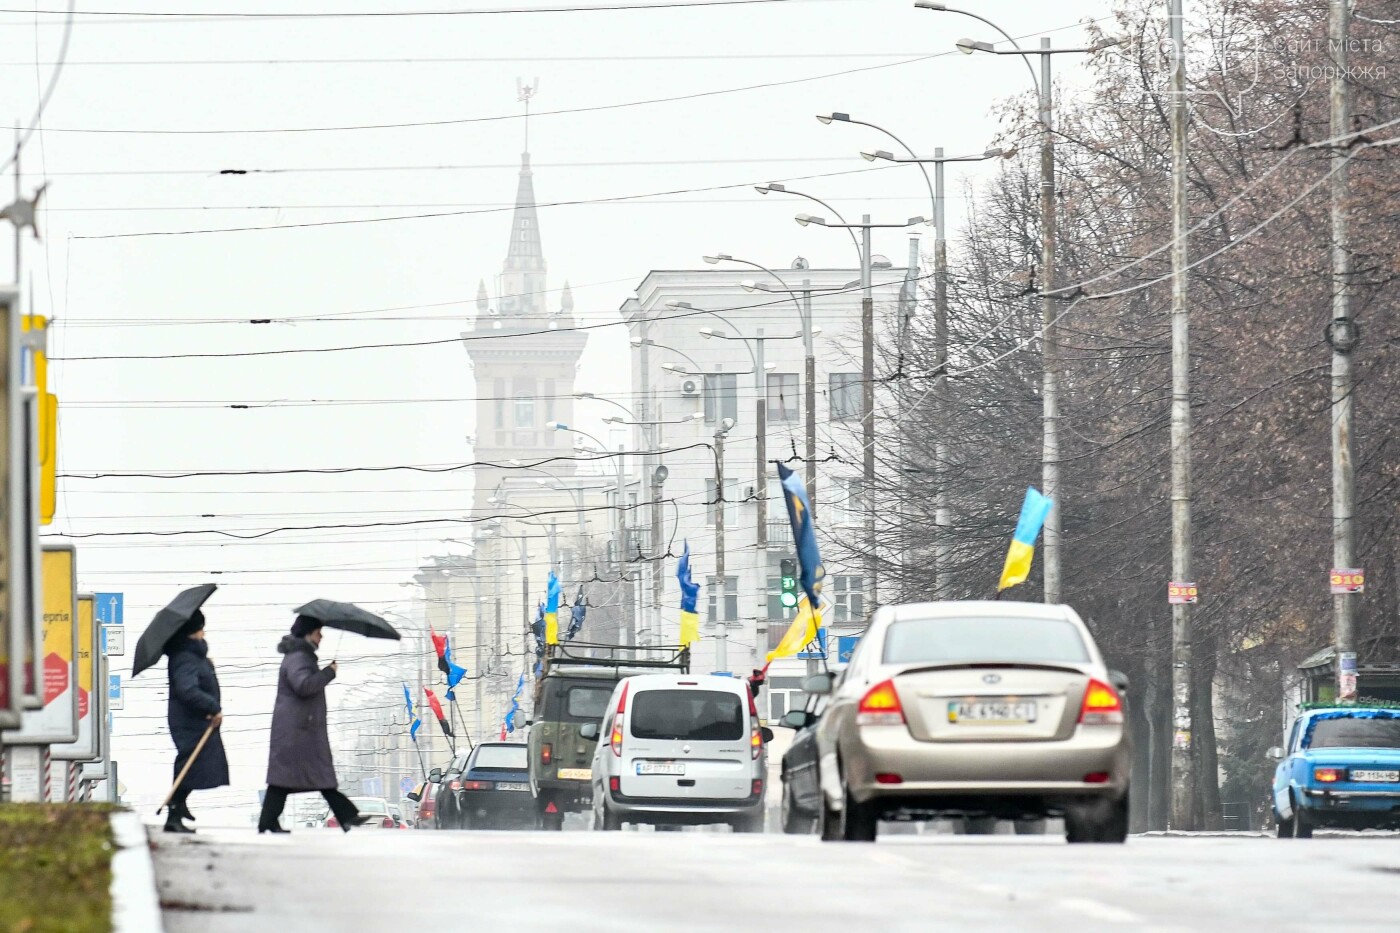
{"x": 801, "y": 800}
{"x": 382, "y": 814}
{"x": 492, "y": 791}
{"x": 1341, "y": 768}
{"x": 679, "y": 750}
{"x": 427, "y": 805}
{"x": 981, "y": 710}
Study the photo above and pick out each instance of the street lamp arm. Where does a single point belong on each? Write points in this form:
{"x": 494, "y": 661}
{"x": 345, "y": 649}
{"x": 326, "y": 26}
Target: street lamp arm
{"x": 802, "y": 194}
{"x": 600, "y": 398}
{"x": 939, "y": 7}
{"x": 801, "y": 315}
{"x": 913, "y": 157}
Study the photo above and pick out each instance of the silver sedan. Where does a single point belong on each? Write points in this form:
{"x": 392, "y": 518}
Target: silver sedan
{"x": 998, "y": 710}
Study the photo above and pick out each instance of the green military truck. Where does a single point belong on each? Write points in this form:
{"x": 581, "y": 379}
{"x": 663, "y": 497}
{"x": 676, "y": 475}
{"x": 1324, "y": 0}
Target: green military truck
{"x": 572, "y": 691}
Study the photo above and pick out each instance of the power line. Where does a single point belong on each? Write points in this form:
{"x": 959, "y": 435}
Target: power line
{"x": 193, "y": 16}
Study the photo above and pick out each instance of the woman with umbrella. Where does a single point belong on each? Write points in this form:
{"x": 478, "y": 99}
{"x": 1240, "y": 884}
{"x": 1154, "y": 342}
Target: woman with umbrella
{"x": 194, "y": 711}
{"x": 299, "y": 753}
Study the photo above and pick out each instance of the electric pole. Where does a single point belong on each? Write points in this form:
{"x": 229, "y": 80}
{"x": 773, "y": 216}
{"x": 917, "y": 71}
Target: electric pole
{"x": 721, "y": 653}
{"x": 1183, "y": 765}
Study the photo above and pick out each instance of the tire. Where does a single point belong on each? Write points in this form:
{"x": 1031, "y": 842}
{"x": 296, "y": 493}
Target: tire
{"x": 1033, "y": 827}
{"x": 552, "y": 822}
{"x": 861, "y": 821}
{"x": 1102, "y": 821}
{"x": 607, "y": 822}
{"x": 1283, "y": 827}
{"x": 980, "y": 825}
{"x": 830, "y": 822}
{"x": 1302, "y": 823}
{"x": 749, "y": 824}
{"x": 794, "y": 822}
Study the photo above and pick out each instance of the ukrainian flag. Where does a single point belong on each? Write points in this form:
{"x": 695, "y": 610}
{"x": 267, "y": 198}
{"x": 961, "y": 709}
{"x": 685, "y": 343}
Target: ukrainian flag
{"x": 551, "y": 611}
{"x": 690, "y": 591}
{"x": 1018, "y": 558}
{"x": 811, "y": 573}
{"x": 801, "y": 633}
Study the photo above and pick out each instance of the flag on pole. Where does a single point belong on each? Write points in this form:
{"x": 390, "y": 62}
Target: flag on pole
{"x": 577, "y": 613}
{"x": 811, "y": 573}
{"x": 537, "y": 629}
{"x": 455, "y": 672}
{"x": 1018, "y": 558}
{"x": 551, "y": 611}
{"x": 514, "y": 705}
{"x": 690, "y": 591}
{"x": 437, "y": 711}
{"x": 802, "y": 631}
{"x": 440, "y": 646}
{"x": 416, "y": 723}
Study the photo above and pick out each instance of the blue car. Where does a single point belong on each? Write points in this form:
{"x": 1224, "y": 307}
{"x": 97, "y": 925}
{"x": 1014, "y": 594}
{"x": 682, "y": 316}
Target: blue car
{"x": 1341, "y": 768}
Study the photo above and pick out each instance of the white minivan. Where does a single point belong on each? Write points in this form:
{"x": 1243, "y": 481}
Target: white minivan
{"x": 680, "y": 750}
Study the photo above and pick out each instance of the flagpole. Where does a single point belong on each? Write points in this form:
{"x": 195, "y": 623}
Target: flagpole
{"x": 462, "y": 723}
{"x": 422, "y": 765}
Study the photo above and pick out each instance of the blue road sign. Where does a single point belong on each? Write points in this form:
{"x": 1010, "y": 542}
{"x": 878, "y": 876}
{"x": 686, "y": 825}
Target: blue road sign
{"x": 114, "y": 686}
{"x": 108, "y": 607}
{"x": 845, "y": 644}
{"x": 821, "y": 647}
{"x": 406, "y": 786}
{"x": 373, "y": 787}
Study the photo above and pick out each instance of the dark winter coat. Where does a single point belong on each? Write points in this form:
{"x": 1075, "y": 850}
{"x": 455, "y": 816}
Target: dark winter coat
{"x": 194, "y": 697}
{"x": 299, "y": 753}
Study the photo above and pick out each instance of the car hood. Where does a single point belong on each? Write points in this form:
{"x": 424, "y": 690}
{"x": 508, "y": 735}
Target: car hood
{"x": 1390, "y": 757}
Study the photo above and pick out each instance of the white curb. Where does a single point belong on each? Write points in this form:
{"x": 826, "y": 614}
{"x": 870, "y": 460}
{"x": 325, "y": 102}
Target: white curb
{"x": 135, "y": 904}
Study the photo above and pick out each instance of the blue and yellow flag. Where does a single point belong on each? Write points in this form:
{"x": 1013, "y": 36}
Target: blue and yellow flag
{"x": 809, "y": 559}
{"x": 801, "y": 633}
{"x": 551, "y": 611}
{"x": 690, "y": 591}
{"x": 417, "y": 723}
{"x": 1018, "y": 558}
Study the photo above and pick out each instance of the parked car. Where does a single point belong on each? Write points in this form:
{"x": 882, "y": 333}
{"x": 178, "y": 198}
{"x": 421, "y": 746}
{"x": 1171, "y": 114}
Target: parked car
{"x": 492, "y": 791}
{"x": 382, "y": 814}
{"x": 801, "y": 800}
{"x": 981, "y": 710}
{"x": 446, "y": 813}
{"x": 680, "y": 750}
{"x": 1341, "y": 767}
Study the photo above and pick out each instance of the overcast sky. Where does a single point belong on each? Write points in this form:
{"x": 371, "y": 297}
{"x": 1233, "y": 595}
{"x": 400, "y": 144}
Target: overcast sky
{"x": 133, "y": 144}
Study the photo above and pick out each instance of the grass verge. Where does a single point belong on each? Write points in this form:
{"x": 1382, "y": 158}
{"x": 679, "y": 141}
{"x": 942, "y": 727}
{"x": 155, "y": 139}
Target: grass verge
{"x": 55, "y": 868}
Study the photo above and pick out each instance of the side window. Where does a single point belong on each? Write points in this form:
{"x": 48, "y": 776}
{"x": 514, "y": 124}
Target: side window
{"x": 1293, "y": 735}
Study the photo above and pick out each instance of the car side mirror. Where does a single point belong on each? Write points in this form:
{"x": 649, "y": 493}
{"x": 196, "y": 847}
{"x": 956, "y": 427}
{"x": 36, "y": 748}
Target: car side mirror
{"x": 795, "y": 719}
{"x": 819, "y": 684}
{"x": 589, "y": 731}
{"x": 1119, "y": 681}
{"x": 766, "y": 732}
{"x": 1274, "y": 754}
{"x": 435, "y": 775}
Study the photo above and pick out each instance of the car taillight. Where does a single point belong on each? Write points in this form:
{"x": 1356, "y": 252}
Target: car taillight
{"x": 757, "y": 789}
{"x": 755, "y": 736}
{"x": 479, "y": 785}
{"x": 332, "y": 824}
{"x": 880, "y": 706}
{"x": 387, "y": 822}
{"x": 1102, "y": 705}
{"x": 615, "y": 784}
{"x": 1329, "y": 775}
{"x": 456, "y": 785}
{"x": 547, "y": 753}
{"x": 616, "y": 739}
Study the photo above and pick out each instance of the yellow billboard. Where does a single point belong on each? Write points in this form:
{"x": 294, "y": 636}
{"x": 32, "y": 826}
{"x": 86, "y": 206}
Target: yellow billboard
{"x": 88, "y": 747}
{"x": 57, "y": 722}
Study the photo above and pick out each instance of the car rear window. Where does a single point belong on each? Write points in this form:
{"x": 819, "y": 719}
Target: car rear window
{"x": 691, "y": 715}
{"x": 587, "y": 703}
{"x": 1355, "y": 733}
{"x": 997, "y": 639}
{"x": 501, "y": 756}
{"x": 369, "y": 806}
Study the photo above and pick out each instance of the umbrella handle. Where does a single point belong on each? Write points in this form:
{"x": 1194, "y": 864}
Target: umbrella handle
{"x": 186, "y": 769}
{"x": 339, "y": 634}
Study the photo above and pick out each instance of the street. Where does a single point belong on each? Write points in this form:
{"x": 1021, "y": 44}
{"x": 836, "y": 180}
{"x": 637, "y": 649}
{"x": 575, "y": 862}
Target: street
{"x": 318, "y": 880}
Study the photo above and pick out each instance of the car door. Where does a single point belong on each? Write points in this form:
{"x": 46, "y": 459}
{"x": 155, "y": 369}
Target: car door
{"x": 801, "y": 760}
{"x": 1283, "y": 773}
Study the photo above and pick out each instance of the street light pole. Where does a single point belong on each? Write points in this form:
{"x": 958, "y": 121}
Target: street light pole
{"x": 721, "y": 653}
{"x": 867, "y": 374}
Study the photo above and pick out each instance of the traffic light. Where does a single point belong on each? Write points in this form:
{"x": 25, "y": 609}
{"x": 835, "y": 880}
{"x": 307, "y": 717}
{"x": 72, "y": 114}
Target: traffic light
{"x": 788, "y": 583}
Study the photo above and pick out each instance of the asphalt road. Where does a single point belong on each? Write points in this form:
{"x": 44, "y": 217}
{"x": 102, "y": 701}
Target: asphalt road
{"x": 323, "y": 880}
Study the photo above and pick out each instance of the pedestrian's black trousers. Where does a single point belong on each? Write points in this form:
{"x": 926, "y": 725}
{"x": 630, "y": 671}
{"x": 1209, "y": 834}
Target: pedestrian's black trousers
{"x": 276, "y": 799}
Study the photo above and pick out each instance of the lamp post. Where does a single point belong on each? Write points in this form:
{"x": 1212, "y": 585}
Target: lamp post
{"x": 721, "y": 631}
{"x": 1050, "y": 391}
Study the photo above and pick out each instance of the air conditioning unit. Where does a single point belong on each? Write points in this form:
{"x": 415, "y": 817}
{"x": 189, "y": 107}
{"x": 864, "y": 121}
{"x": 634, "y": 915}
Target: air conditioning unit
{"x": 690, "y": 388}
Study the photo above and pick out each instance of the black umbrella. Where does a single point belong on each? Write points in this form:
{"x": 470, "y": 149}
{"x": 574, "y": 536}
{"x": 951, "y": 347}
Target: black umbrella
{"x": 167, "y": 623}
{"x": 348, "y": 618}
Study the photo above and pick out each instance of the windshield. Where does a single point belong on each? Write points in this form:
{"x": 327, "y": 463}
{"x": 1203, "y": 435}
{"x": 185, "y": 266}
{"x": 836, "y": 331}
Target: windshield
{"x": 501, "y": 756}
{"x": 995, "y": 639}
{"x": 369, "y": 805}
{"x": 1355, "y": 733}
{"x": 693, "y": 715}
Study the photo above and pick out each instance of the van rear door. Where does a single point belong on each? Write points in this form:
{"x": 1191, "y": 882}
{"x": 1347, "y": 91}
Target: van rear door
{"x": 687, "y": 742}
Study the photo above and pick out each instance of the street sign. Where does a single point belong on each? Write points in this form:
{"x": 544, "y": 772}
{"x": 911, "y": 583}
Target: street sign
{"x": 821, "y": 649}
{"x": 1181, "y": 594}
{"x": 56, "y": 723}
{"x": 109, "y": 607}
{"x": 1348, "y": 580}
{"x": 114, "y": 640}
{"x": 405, "y": 786}
{"x": 845, "y": 644}
{"x": 114, "y": 692}
{"x": 372, "y": 787}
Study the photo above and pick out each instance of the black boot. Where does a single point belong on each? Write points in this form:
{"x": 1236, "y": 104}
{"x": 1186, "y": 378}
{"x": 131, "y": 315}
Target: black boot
{"x": 271, "y": 828}
{"x": 184, "y": 812}
{"x": 173, "y": 824}
{"x": 358, "y": 819}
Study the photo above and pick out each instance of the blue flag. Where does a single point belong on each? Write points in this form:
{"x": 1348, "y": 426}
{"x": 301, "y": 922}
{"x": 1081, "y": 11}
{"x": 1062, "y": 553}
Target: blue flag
{"x": 809, "y": 559}
{"x": 538, "y": 630}
{"x": 514, "y": 704}
{"x": 455, "y": 672}
{"x": 577, "y": 613}
{"x": 417, "y": 723}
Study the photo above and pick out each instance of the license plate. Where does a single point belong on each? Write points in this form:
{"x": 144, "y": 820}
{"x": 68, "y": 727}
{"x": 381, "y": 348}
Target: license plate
{"x": 508, "y": 785}
{"x": 991, "y": 712}
{"x": 575, "y": 774}
{"x": 1376, "y": 777}
{"x": 661, "y": 767}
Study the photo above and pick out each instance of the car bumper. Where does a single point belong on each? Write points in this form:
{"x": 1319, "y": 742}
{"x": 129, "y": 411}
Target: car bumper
{"x": 930, "y": 770}
{"x": 490, "y": 803}
{"x": 1371, "y": 801}
{"x": 680, "y": 810}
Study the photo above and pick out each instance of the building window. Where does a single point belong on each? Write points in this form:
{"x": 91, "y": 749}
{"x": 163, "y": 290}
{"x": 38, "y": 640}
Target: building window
{"x": 721, "y": 396}
{"x": 731, "y": 599}
{"x": 524, "y": 413}
{"x": 782, "y": 396}
{"x": 845, "y": 396}
{"x": 846, "y": 503}
{"x": 731, "y": 503}
{"x": 848, "y": 595}
{"x": 500, "y": 403}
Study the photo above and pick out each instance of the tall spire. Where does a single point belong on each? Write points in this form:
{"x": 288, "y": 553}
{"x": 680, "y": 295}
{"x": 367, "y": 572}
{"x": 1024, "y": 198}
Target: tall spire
{"x": 523, "y": 276}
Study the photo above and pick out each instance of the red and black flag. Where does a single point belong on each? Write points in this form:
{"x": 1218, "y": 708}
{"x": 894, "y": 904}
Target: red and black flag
{"x": 437, "y": 711}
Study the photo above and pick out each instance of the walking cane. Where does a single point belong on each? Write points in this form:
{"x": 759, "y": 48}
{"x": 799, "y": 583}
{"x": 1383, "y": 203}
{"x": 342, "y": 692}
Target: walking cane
{"x": 186, "y": 769}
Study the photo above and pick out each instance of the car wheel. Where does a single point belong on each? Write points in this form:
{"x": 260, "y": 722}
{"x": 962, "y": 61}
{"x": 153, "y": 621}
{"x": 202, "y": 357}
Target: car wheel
{"x": 606, "y": 820}
{"x": 1033, "y": 827}
{"x": 1302, "y": 823}
{"x": 794, "y": 823}
{"x": 830, "y": 822}
{"x": 980, "y": 825}
{"x": 861, "y": 822}
{"x": 749, "y": 824}
{"x": 1101, "y": 821}
{"x": 552, "y": 822}
{"x": 1283, "y": 827}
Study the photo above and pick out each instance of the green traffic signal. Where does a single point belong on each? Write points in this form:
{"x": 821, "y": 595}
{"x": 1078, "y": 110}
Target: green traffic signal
{"x": 788, "y": 583}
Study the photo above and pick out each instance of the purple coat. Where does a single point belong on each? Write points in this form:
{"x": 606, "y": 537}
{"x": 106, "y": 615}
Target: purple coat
{"x": 299, "y": 751}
